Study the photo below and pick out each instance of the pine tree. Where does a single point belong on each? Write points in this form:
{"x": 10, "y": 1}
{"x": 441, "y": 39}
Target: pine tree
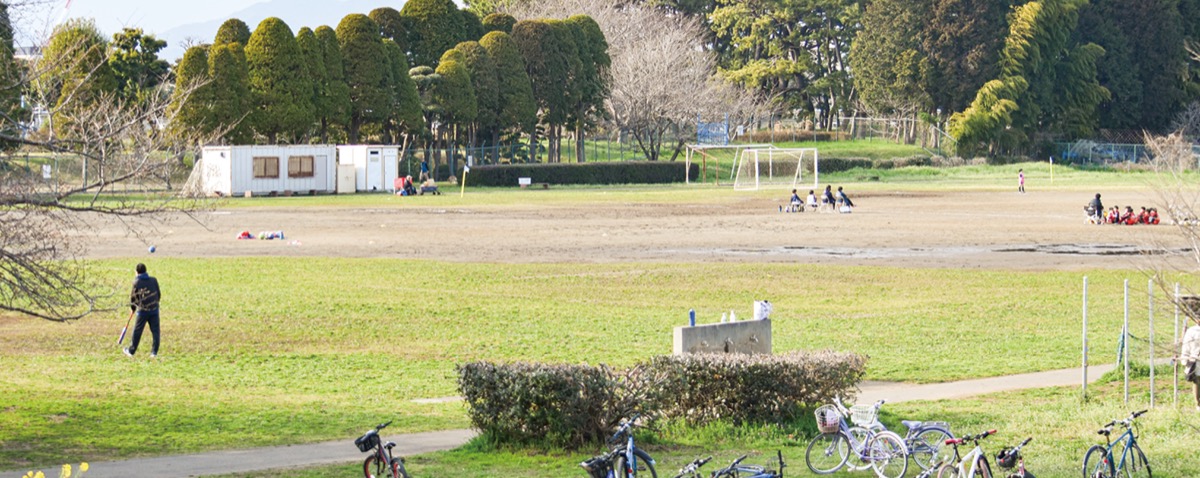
{"x": 406, "y": 117}
{"x": 10, "y": 95}
{"x": 192, "y": 97}
{"x": 278, "y": 82}
{"x": 482, "y": 71}
{"x": 366, "y": 75}
{"x": 133, "y": 57}
{"x": 591, "y": 82}
{"x": 456, "y": 97}
{"x": 551, "y": 56}
{"x": 74, "y": 69}
{"x": 394, "y": 26}
{"x": 886, "y": 56}
{"x": 314, "y": 68}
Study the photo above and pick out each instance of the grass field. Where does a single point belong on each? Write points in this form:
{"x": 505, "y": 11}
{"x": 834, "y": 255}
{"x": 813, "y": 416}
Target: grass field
{"x": 263, "y": 351}
{"x": 293, "y": 350}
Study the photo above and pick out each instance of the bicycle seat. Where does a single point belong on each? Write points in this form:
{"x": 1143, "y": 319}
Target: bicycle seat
{"x": 389, "y": 445}
{"x": 912, "y": 425}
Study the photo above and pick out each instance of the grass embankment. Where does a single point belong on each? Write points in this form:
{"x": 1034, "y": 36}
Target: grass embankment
{"x": 290, "y": 350}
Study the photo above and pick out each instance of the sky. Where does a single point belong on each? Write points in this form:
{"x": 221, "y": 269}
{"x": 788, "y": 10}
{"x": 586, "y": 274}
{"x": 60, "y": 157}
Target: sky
{"x": 154, "y": 16}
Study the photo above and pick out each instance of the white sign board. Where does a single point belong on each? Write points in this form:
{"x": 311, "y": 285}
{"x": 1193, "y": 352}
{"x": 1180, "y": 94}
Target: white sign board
{"x": 45, "y": 171}
{"x": 524, "y": 181}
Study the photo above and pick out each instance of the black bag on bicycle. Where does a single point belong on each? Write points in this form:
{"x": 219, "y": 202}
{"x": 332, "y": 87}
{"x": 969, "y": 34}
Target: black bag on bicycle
{"x": 366, "y": 442}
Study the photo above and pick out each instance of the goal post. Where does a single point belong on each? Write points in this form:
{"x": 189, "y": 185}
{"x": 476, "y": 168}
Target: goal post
{"x": 772, "y": 167}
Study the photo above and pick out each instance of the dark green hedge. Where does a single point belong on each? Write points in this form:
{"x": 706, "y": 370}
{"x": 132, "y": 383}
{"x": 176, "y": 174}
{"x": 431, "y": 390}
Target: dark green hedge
{"x": 624, "y": 172}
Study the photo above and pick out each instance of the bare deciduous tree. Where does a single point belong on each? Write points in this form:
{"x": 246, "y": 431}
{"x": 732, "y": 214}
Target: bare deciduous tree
{"x": 128, "y": 150}
{"x": 663, "y": 78}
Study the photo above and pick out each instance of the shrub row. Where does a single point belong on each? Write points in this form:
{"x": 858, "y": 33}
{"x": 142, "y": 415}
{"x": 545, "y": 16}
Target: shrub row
{"x": 623, "y": 172}
{"x": 572, "y": 405}
{"x": 837, "y": 165}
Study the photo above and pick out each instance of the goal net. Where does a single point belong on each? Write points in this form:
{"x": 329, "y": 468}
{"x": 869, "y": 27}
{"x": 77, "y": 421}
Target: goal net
{"x": 775, "y": 168}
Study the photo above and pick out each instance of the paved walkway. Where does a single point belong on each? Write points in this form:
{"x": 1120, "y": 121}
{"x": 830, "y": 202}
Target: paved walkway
{"x": 343, "y": 451}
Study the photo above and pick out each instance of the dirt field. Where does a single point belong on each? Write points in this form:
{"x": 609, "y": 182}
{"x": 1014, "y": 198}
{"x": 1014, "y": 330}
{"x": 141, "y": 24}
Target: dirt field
{"x": 1036, "y": 231}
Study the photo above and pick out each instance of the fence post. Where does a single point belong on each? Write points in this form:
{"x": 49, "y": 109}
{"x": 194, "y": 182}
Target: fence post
{"x": 1125, "y": 342}
{"x": 1085, "y": 343}
{"x": 1150, "y": 286}
{"x": 1175, "y": 353}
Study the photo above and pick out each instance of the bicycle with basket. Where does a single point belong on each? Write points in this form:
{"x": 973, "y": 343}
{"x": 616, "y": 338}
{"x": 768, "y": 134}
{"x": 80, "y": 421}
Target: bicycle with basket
{"x": 868, "y": 442}
{"x": 380, "y": 463}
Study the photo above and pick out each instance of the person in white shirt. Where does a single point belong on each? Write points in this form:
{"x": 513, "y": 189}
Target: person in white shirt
{"x": 1190, "y": 357}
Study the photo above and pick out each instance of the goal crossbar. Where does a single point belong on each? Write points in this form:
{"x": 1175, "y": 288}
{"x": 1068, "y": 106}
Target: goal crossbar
{"x": 775, "y": 167}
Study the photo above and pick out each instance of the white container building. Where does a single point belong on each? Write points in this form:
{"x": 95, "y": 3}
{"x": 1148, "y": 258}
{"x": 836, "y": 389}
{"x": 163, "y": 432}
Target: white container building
{"x": 376, "y": 167}
{"x": 234, "y": 170}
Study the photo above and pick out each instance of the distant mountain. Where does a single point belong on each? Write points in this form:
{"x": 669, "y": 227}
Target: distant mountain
{"x": 306, "y": 14}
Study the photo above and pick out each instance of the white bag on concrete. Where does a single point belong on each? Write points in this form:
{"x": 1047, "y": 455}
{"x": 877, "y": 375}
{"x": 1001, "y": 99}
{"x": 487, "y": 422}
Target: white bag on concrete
{"x": 762, "y": 309}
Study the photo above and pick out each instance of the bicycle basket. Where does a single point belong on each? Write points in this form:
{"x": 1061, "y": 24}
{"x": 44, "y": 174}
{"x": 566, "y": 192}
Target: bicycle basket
{"x": 1007, "y": 459}
{"x": 862, "y": 414}
{"x": 366, "y": 442}
{"x": 829, "y": 420}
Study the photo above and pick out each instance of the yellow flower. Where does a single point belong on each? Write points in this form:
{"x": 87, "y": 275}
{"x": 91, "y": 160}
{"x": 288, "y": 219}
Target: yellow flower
{"x": 39, "y": 475}
{"x": 66, "y": 471}
{"x": 83, "y": 467}
{"x": 28, "y": 474}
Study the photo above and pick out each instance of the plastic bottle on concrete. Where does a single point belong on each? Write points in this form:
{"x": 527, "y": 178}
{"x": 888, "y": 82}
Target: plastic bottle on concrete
{"x": 691, "y": 317}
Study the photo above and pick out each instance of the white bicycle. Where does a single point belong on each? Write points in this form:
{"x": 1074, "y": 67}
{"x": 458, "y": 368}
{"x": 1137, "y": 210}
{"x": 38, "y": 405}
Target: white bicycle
{"x": 974, "y": 464}
{"x": 866, "y": 445}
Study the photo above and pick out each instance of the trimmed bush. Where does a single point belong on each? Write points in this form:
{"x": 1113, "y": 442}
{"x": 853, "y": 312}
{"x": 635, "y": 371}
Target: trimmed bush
{"x": 704, "y": 388}
{"x": 572, "y": 405}
{"x": 624, "y": 172}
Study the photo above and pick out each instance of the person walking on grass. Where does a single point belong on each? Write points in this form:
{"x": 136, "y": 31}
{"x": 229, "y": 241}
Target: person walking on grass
{"x": 144, "y": 300}
{"x": 1189, "y": 355}
{"x": 1021, "y": 181}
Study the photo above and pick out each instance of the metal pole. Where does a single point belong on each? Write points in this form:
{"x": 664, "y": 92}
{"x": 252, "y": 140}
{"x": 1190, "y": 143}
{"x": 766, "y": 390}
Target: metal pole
{"x": 1125, "y": 342}
{"x": 1085, "y": 344}
{"x": 1150, "y": 287}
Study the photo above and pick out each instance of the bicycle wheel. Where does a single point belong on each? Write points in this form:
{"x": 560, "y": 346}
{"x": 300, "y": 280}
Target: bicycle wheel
{"x": 889, "y": 456}
{"x": 858, "y": 460}
{"x": 644, "y": 463}
{"x": 947, "y": 471}
{"x": 927, "y": 445}
{"x": 827, "y": 453}
{"x": 398, "y": 470}
{"x": 982, "y": 469}
{"x": 1136, "y": 465}
{"x": 373, "y": 467}
{"x": 1096, "y": 464}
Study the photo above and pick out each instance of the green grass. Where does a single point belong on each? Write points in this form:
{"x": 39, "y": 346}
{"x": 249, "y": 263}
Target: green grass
{"x": 1061, "y": 425}
{"x": 289, "y": 350}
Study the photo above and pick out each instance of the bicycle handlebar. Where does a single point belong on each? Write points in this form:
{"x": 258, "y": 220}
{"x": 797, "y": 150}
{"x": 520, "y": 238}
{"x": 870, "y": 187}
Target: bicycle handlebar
{"x": 974, "y": 438}
{"x": 624, "y": 428}
{"x": 693, "y": 466}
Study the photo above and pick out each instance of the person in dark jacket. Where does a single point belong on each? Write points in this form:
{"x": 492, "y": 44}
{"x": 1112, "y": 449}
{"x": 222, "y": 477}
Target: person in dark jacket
{"x": 144, "y": 300}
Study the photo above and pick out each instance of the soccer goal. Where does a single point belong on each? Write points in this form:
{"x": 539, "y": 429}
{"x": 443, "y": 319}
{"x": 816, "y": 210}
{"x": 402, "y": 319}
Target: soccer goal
{"x": 775, "y": 168}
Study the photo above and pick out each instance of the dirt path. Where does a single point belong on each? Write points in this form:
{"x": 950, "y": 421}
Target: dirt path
{"x": 1036, "y": 231}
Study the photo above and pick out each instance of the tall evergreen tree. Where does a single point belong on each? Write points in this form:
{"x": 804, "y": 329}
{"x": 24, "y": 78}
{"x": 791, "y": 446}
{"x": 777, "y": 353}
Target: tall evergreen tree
{"x": 473, "y": 28}
{"x": 591, "y": 82}
{"x": 962, "y": 43}
{"x": 333, "y": 105}
{"x": 437, "y": 27}
{"x": 406, "y": 117}
{"x": 366, "y": 75}
{"x": 456, "y": 97}
{"x": 1145, "y": 63}
{"x": 482, "y": 71}
{"x": 278, "y": 82}
{"x": 192, "y": 97}
{"x": 550, "y": 56}
{"x": 314, "y": 67}
{"x": 232, "y": 102}
{"x": 394, "y": 26}
{"x": 515, "y": 106}
{"x": 887, "y": 58}
{"x": 233, "y": 31}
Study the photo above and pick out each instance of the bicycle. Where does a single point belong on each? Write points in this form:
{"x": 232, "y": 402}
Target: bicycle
{"x": 622, "y": 460}
{"x": 925, "y": 441}
{"x": 1099, "y": 460}
{"x": 1010, "y": 458}
{"x": 869, "y": 442}
{"x": 958, "y": 466}
{"x": 381, "y": 460}
{"x": 692, "y": 470}
{"x": 738, "y": 470}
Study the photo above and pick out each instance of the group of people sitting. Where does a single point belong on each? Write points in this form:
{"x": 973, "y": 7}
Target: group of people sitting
{"x": 1096, "y": 214}
{"x": 404, "y": 186}
{"x": 841, "y": 202}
